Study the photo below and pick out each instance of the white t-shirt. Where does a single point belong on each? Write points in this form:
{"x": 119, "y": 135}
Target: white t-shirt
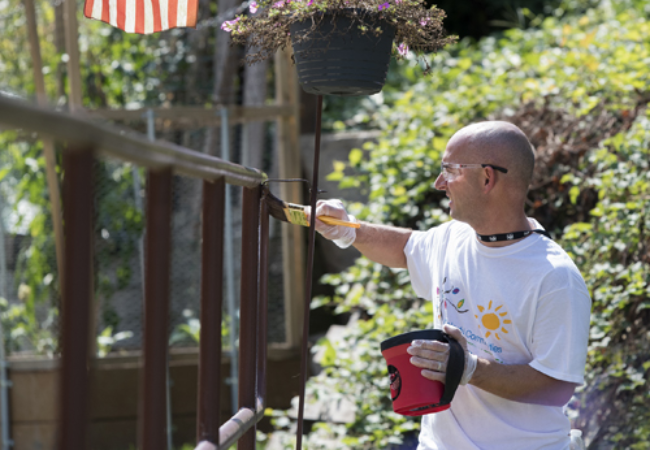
{"x": 525, "y": 303}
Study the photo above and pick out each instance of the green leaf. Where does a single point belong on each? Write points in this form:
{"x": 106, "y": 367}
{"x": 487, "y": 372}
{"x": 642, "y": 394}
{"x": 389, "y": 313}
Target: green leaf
{"x": 355, "y": 156}
{"x": 574, "y": 192}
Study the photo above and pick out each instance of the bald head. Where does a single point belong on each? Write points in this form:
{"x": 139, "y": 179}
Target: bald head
{"x": 502, "y": 144}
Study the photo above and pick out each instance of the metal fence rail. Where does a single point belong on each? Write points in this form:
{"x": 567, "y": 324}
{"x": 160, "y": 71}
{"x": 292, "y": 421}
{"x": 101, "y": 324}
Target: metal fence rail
{"x": 113, "y": 142}
{"x": 85, "y": 140}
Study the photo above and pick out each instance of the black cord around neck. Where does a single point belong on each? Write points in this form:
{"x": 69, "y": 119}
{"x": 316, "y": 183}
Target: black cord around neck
{"x": 510, "y": 236}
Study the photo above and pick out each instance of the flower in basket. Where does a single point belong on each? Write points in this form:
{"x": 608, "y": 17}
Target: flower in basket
{"x": 267, "y": 26}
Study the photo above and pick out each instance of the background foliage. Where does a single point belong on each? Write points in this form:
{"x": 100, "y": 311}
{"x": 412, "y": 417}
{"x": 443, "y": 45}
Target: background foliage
{"x": 577, "y": 85}
{"x": 119, "y": 70}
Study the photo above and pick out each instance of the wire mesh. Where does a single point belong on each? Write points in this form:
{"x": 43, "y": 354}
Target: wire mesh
{"x": 30, "y": 311}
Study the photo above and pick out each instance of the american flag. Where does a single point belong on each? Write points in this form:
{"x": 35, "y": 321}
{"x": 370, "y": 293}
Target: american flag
{"x": 143, "y": 16}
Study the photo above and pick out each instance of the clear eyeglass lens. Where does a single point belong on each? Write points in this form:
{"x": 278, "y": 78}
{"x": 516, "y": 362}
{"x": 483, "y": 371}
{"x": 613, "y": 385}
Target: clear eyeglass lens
{"x": 449, "y": 173}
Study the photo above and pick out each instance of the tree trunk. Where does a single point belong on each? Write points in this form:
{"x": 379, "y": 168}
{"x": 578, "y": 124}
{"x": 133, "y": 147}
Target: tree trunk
{"x": 225, "y": 60}
{"x": 59, "y": 42}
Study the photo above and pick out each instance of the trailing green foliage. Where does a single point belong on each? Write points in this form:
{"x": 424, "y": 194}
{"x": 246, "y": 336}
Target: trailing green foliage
{"x": 613, "y": 252}
{"x": 575, "y": 85}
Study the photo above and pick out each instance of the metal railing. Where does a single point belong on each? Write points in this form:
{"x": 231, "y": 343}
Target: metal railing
{"x": 85, "y": 141}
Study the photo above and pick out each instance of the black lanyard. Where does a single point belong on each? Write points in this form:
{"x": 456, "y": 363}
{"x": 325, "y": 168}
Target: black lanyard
{"x": 510, "y": 236}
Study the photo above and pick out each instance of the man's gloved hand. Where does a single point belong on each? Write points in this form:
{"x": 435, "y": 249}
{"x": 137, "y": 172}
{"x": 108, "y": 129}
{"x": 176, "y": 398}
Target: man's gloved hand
{"x": 432, "y": 356}
{"x": 342, "y": 236}
{"x": 470, "y": 359}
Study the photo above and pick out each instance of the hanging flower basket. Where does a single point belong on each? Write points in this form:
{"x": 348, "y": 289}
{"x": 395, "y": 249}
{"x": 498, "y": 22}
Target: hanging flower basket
{"x": 335, "y": 57}
{"x": 341, "y": 47}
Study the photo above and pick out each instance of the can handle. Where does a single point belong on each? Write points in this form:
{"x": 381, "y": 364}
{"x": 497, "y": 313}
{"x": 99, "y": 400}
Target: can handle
{"x": 455, "y": 369}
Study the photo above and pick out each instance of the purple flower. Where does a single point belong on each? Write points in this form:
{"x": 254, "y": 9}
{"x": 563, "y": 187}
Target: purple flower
{"x": 278, "y": 5}
{"x": 424, "y": 21}
{"x": 403, "y": 49}
{"x": 311, "y": 2}
{"x": 229, "y": 25}
{"x": 383, "y": 6}
{"x": 253, "y": 7}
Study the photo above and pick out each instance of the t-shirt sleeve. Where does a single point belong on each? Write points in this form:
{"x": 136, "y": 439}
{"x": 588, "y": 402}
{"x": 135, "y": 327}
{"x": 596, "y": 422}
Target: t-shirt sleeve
{"x": 561, "y": 331}
{"x": 418, "y": 252}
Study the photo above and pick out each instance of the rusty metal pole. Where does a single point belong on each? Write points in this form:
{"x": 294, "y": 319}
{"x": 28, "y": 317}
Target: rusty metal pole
{"x": 310, "y": 268}
{"x": 248, "y": 308}
{"x": 262, "y": 307}
{"x": 76, "y": 300}
{"x": 156, "y": 311}
{"x": 209, "y": 400}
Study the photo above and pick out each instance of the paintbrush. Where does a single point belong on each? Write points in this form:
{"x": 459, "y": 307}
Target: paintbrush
{"x": 295, "y": 214}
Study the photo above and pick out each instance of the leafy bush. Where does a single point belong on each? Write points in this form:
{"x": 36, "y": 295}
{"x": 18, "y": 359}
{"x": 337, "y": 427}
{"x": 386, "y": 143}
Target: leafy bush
{"x": 612, "y": 251}
{"x": 576, "y": 85}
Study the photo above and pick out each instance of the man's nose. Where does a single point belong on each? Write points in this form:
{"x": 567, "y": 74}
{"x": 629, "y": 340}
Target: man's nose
{"x": 441, "y": 183}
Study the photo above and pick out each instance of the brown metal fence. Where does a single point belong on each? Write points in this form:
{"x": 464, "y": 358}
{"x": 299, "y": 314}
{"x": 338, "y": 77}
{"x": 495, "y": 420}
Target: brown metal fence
{"x": 85, "y": 141}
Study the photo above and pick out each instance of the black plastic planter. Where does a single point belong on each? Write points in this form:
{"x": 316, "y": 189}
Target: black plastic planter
{"x": 336, "y": 58}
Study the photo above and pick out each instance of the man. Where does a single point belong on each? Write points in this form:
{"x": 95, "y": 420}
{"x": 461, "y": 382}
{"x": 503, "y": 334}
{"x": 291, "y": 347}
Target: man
{"x": 509, "y": 294}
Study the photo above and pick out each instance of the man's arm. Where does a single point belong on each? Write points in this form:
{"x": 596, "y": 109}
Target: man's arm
{"x": 383, "y": 244}
{"x": 379, "y": 243}
{"x": 521, "y": 383}
{"x": 516, "y": 382}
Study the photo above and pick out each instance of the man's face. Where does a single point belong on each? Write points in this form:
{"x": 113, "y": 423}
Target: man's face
{"x": 461, "y": 185}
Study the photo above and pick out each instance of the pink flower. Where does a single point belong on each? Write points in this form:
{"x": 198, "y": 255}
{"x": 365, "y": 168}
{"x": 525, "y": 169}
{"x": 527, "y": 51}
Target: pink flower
{"x": 424, "y": 21}
{"x": 229, "y": 25}
{"x": 383, "y": 6}
{"x": 253, "y": 7}
{"x": 278, "y": 5}
{"x": 403, "y": 49}
{"x": 311, "y": 2}
{"x": 397, "y": 2}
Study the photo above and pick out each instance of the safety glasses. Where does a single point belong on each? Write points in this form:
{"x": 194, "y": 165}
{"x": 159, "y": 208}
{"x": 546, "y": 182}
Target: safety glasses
{"x": 450, "y": 171}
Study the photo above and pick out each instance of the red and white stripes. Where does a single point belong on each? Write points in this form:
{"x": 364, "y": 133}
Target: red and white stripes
{"x": 143, "y": 16}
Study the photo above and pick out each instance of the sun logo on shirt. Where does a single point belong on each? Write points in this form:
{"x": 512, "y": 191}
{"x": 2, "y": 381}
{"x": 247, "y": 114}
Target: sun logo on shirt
{"x": 493, "y": 320}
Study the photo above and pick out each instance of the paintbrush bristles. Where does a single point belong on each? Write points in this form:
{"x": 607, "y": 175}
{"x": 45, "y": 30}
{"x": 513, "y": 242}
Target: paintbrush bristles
{"x": 276, "y": 206}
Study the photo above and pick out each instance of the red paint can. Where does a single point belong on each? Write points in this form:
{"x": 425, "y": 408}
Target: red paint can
{"x": 412, "y": 394}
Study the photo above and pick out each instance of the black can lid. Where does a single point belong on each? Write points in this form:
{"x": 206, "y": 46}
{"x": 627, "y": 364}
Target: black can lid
{"x": 407, "y": 338}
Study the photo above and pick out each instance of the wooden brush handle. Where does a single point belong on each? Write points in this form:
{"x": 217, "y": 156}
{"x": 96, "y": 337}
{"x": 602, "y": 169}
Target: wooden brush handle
{"x": 329, "y": 220}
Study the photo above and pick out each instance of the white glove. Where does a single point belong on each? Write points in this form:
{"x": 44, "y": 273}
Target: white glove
{"x": 470, "y": 359}
{"x": 342, "y": 236}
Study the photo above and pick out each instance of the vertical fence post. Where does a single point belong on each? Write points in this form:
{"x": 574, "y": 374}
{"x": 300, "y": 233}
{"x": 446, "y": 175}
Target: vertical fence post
{"x": 209, "y": 400}
{"x": 248, "y": 309}
{"x": 151, "y": 135}
{"x": 76, "y": 299}
{"x": 293, "y": 254}
{"x": 262, "y": 310}
{"x": 156, "y": 311}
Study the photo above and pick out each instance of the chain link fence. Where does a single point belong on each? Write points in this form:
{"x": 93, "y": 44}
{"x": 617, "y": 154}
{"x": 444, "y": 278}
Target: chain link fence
{"x": 28, "y": 269}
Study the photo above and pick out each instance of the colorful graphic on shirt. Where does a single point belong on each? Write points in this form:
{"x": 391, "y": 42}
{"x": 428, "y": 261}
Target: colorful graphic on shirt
{"x": 452, "y": 300}
{"x": 492, "y": 320}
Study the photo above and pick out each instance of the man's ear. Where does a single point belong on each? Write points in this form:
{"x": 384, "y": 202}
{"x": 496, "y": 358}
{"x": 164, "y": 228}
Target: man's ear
{"x": 490, "y": 179}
